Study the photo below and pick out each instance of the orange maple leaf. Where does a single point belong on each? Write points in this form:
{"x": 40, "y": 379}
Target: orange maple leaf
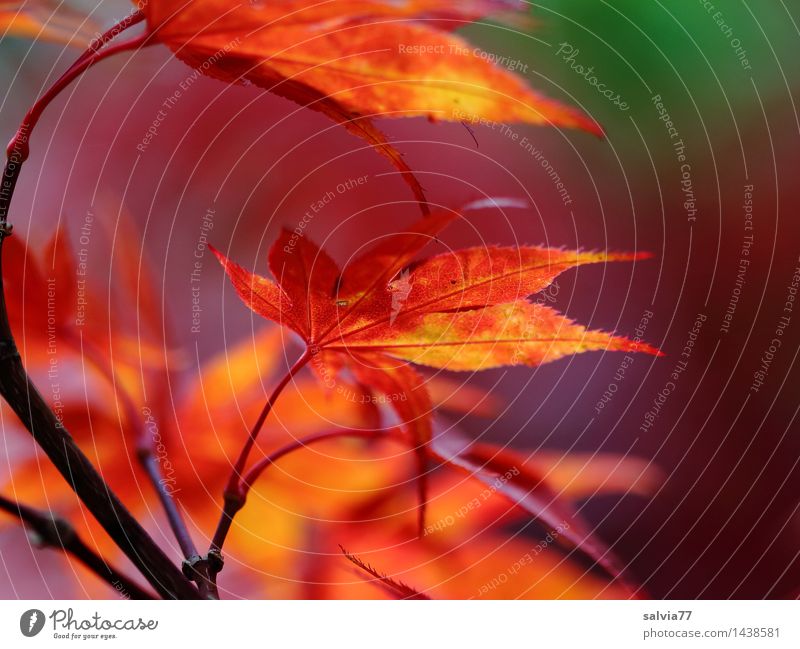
{"x": 529, "y": 485}
{"x": 465, "y": 310}
{"x": 358, "y": 59}
{"x": 218, "y": 407}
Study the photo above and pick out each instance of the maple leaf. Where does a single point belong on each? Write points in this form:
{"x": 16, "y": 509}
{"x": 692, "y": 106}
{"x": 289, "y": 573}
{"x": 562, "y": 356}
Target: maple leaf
{"x": 465, "y": 310}
{"x": 357, "y": 59}
{"x": 463, "y": 398}
{"x": 466, "y": 544}
{"x": 218, "y": 406}
{"x": 49, "y": 304}
{"x": 530, "y": 483}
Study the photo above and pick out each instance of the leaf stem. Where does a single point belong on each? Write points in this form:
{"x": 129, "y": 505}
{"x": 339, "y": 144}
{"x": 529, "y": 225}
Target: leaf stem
{"x": 255, "y": 472}
{"x": 234, "y": 485}
{"x": 55, "y": 532}
{"x": 19, "y": 147}
{"x": 133, "y": 18}
{"x": 195, "y": 567}
{"x": 235, "y": 490}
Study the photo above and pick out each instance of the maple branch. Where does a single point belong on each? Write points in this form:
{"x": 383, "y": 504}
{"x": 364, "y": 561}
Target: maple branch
{"x": 150, "y": 465}
{"x": 55, "y": 532}
{"x": 195, "y": 567}
{"x": 28, "y": 404}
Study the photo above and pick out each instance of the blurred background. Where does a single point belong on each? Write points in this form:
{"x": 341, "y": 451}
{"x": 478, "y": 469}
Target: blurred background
{"x": 232, "y": 165}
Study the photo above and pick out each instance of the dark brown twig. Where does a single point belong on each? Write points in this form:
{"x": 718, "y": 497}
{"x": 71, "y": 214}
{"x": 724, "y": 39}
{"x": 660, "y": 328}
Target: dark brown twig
{"x": 195, "y": 567}
{"x": 55, "y": 532}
